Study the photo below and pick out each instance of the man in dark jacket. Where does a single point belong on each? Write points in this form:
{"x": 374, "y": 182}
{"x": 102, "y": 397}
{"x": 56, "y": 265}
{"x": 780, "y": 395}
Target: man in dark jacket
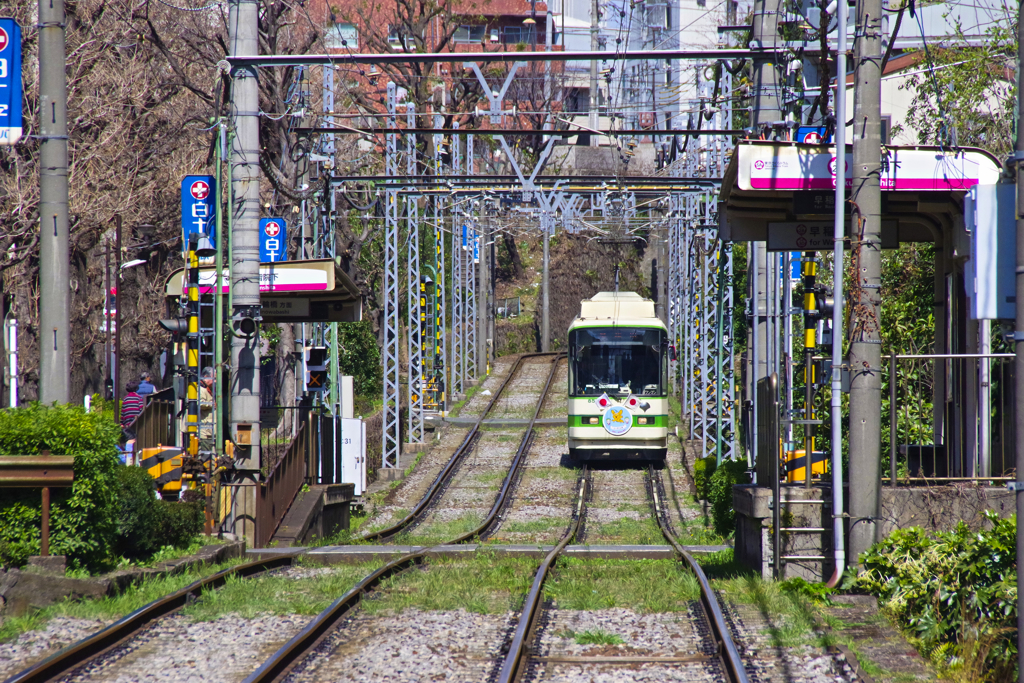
{"x": 146, "y": 384}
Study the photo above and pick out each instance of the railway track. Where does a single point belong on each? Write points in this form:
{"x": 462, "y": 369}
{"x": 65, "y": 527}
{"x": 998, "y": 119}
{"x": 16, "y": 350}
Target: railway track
{"x": 112, "y": 641}
{"x": 317, "y": 633}
{"x": 115, "y": 641}
{"x": 713, "y": 654}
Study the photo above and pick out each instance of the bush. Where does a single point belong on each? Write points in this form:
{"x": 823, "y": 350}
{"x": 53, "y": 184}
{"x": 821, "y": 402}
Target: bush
{"x": 83, "y": 517}
{"x": 727, "y": 474}
{"x": 137, "y": 513}
{"x": 178, "y": 523}
{"x": 957, "y": 591}
{"x": 359, "y": 356}
{"x": 703, "y": 468}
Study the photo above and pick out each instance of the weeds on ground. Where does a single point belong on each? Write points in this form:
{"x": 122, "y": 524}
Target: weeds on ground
{"x": 275, "y": 594}
{"x": 626, "y": 531}
{"x": 482, "y": 584}
{"x": 792, "y": 616}
{"x": 441, "y": 531}
{"x": 722, "y": 565}
{"x": 591, "y": 637}
{"x": 563, "y": 473}
{"x": 111, "y": 608}
{"x": 640, "y": 585}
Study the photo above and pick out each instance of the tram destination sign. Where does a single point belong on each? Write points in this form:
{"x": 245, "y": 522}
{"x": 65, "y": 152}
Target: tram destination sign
{"x": 10, "y": 82}
{"x": 818, "y": 235}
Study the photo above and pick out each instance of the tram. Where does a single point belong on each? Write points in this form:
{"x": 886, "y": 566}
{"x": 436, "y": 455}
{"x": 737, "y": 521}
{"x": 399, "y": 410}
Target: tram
{"x": 618, "y": 380}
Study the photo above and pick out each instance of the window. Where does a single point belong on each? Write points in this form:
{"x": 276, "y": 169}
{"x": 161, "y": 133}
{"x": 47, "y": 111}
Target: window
{"x": 398, "y": 39}
{"x": 342, "y": 36}
{"x": 470, "y": 34}
{"x": 513, "y": 35}
{"x": 886, "y": 127}
{"x": 617, "y": 361}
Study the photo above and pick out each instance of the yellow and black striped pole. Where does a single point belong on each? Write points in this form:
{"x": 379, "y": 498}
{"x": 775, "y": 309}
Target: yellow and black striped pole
{"x": 191, "y": 441}
{"x": 809, "y": 270}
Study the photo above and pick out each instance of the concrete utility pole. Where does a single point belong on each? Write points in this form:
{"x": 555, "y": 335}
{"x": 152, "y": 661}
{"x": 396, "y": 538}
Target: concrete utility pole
{"x": 547, "y": 224}
{"x": 765, "y": 33}
{"x": 595, "y": 15}
{"x": 1018, "y": 347}
{"x": 54, "y": 287}
{"x": 865, "y": 285}
{"x": 243, "y": 23}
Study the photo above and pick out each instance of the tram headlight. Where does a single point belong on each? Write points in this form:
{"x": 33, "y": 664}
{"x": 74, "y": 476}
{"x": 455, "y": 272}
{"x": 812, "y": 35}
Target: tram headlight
{"x": 593, "y": 420}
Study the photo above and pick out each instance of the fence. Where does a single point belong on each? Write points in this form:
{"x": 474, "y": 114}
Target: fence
{"x": 155, "y": 424}
{"x": 509, "y": 308}
{"x": 282, "y": 483}
{"x": 950, "y": 416}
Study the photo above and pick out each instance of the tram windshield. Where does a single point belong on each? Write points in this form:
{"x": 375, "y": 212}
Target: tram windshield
{"x": 617, "y": 361}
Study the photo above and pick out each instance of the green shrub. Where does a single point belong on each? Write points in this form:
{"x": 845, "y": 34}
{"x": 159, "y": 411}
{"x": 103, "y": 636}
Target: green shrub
{"x": 83, "y": 517}
{"x": 359, "y": 356}
{"x": 957, "y": 591}
{"x": 727, "y": 474}
{"x": 137, "y": 513}
{"x": 177, "y": 524}
{"x": 703, "y": 468}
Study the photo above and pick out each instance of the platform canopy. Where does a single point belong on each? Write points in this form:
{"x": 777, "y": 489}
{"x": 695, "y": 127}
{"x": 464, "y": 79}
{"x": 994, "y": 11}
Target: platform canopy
{"x": 290, "y": 291}
{"x": 783, "y": 192}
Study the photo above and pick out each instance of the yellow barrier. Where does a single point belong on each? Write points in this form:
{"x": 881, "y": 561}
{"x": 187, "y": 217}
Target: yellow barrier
{"x": 796, "y": 462}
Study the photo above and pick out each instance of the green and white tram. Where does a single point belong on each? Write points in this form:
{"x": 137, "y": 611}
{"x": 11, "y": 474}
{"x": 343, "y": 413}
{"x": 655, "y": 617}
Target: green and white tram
{"x": 618, "y": 379}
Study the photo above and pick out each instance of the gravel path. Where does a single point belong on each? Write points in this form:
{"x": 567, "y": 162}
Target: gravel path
{"x": 544, "y": 498}
{"x": 499, "y": 371}
{"x": 557, "y": 404}
{"x": 641, "y": 635}
{"x": 411, "y": 646}
{"x": 180, "y": 650}
{"x": 33, "y": 646}
{"x": 757, "y": 637}
{"x": 618, "y": 512}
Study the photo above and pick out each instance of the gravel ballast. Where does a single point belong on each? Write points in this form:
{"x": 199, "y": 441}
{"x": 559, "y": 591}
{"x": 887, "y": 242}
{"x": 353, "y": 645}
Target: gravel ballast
{"x": 33, "y": 646}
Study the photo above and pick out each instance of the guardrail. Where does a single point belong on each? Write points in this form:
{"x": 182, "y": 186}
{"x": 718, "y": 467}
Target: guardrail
{"x": 274, "y": 495}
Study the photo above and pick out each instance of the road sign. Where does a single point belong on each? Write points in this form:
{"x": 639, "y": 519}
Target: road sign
{"x": 273, "y": 240}
{"x": 811, "y": 135}
{"x": 10, "y": 82}
{"x": 198, "y": 207}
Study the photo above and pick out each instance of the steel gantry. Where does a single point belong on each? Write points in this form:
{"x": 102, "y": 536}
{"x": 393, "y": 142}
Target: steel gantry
{"x": 391, "y": 429}
{"x": 415, "y": 311}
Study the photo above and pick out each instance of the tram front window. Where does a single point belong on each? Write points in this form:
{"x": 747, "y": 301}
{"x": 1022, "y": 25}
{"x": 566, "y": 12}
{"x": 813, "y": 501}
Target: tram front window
{"x": 617, "y": 361}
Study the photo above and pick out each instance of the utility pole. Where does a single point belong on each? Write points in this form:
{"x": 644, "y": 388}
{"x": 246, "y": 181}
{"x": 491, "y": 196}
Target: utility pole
{"x": 547, "y": 224}
{"x": 54, "y": 287}
{"x": 483, "y": 327}
{"x": 245, "y": 266}
{"x": 865, "y": 285}
{"x": 594, "y": 46}
{"x": 1018, "y": 347}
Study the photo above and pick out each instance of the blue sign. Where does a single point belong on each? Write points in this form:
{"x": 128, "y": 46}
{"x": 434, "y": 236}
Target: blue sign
{"x": 10, "y": 82}
{"x": 198, "y": 207}
{"x": 273, "y": 240}
{"x": 812, "y": 135}
{"x": 795, "y": 266}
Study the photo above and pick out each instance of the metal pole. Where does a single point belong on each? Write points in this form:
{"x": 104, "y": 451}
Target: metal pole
{"x": 594, "y": 45}
{"x": 893, "y": 416}
{"x": 865, "y": 339}
{"x": 546, "y": 224}
{"x": 243, "y": 22}
{"x": 117, "y": 319}
{"x": 985, "y": 399}
{"x": 218, "y": 298}
{"x": 1018, "y": 344}
{"x": 482, "y": 296}
{"x": 108, "y": 344}
{"x": 190, "y": 438}
{"x": 54, "y": 264}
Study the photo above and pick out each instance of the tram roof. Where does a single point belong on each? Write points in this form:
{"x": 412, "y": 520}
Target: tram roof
{"x": 620, "y": 309}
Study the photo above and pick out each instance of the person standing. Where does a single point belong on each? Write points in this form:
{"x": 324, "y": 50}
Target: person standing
{"x": 131, "y": 406}
{"x": 146, "y": 386}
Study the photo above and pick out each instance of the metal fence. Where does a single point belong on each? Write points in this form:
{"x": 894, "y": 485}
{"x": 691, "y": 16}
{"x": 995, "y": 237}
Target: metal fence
{"x": 950, "y": 416}
{"x": 274, "y": 495}
{"x": 509, "y": 308}
{"x": 155, "y": 424}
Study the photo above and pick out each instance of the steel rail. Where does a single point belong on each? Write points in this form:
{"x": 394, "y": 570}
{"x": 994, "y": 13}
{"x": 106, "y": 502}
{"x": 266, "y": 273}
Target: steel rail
{"x": 724, "y": 645}
{"x": 441, "y": 480}
{"x": 515, "y": 661}
{"x": 280, "y": 664}
{"x": 92, "y": 647}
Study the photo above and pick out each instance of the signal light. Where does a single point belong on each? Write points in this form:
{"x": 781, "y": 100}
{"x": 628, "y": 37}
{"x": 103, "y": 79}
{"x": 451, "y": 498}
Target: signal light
{"x": 178, "y": 327}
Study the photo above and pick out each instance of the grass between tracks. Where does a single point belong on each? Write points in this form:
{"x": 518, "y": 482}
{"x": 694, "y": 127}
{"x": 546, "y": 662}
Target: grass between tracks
{"x": 280, "y": 594}
{"x": 640, "y": 585}
{"x": 112, "y": 608}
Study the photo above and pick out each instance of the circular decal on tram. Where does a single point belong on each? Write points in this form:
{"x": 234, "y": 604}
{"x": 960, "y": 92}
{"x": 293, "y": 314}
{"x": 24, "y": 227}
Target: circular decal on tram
{"x": 617, "y": 420}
